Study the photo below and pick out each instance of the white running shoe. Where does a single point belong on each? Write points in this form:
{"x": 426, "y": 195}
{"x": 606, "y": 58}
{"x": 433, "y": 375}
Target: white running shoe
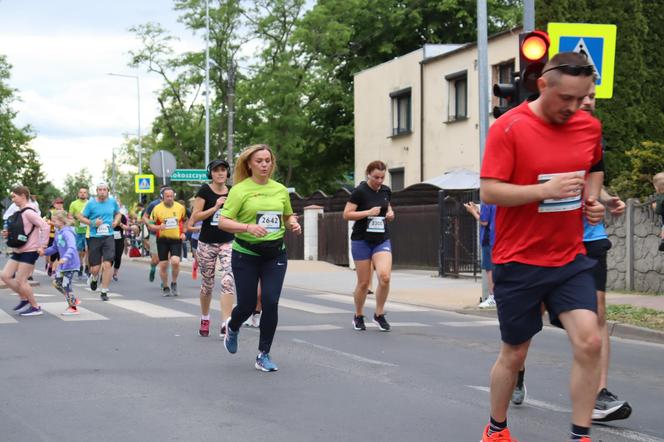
{"x": 489, "y": 302}
{"x": 253, "y": 321}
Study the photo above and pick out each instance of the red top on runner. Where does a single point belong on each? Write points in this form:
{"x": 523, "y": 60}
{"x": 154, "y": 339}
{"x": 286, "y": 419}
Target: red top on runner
{"x": 523, "y": 149}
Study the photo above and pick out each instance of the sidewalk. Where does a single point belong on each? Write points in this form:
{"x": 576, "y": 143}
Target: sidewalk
{"x": 425, "y": 288}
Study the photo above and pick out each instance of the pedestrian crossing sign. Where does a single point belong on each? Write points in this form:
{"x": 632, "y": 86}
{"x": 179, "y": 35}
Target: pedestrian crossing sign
{"x": 144, "y": 183}
{"x": 596, "y": 42}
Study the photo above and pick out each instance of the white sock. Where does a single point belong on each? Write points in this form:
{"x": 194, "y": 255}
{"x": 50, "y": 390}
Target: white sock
{"x": 205, "y": 317}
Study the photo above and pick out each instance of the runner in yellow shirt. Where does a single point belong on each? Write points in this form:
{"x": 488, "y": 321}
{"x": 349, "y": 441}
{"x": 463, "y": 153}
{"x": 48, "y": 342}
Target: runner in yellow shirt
{"x": 168, "y": 222}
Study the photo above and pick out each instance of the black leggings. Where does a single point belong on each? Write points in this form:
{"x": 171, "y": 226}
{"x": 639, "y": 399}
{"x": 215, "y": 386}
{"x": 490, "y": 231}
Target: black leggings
{"x": 247, "y": 270}
{"x": 119, "y": 250}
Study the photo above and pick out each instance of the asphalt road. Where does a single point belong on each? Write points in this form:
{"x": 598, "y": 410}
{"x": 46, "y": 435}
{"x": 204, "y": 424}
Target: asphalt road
{"x": 135, "y": 369}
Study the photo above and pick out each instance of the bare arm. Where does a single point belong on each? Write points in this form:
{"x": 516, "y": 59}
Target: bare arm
{"x": 500, "y": 193}
{"x": 352, "y": 214}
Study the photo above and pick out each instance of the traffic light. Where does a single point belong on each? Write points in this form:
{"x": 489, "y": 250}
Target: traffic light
{"x": 533, "y": 55}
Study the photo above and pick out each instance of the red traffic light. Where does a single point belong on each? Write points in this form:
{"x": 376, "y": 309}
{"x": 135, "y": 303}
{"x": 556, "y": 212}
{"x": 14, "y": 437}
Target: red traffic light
{"x": 535, "y": 45}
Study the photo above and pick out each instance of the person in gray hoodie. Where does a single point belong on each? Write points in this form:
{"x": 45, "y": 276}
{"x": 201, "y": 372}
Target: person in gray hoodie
{"x": 69, "y": 263}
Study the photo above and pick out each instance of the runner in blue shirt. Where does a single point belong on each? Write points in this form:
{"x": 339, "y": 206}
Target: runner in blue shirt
{"x": 102, "y": 214}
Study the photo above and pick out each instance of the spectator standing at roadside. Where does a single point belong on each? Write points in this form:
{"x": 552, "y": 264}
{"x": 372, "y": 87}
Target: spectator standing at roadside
{"x": 486, "y": 216}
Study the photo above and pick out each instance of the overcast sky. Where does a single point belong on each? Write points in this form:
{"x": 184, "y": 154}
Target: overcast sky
{"x": 61, "y": 52}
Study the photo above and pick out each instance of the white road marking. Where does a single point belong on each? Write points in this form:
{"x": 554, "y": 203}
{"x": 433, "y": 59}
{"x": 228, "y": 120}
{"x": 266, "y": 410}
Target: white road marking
{"x": 214, "y": 304}
{"x": 399, "y": 324}
{"x": 6, "y": 318}
{"x": 486, "y": 323}
{"x": 147, "y": 309}
{"x": 343, "y": 353}
{"x": 39, "y": 272}
{"x": 310, "y": 308}
{"x": 529, "y": 401}
{"x": 305, "y": 328}
{"x": 44, "y": 295}
{"x": 389, "y": 306}
{"x": 56, "y": 308}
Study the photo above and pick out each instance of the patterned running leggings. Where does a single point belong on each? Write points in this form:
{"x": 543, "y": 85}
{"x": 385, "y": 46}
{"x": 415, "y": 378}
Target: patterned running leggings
{"x": 208, "y": 255}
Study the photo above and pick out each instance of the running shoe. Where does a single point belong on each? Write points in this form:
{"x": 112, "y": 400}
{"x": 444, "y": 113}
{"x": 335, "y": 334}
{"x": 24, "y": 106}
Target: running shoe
{"x": 609, "y": 408}
{"x": 519, "y": 394}
{"x": 253, "y": 321}
{"x": 104, "y": 296}
{"x": 358, "y": 323}
{"x": 489, "y": 302}
{"x": 204, "y": 331}
{"x": 21, "y": 304}
{"x": 381, "y": 322}
{"x": 222, "y": 331}
{"x": 71, "y": 311}
{"x": 93, "y": 283}
{"x": 265, "y": 363}
{"x": 153, "y": 270}
{"x": 32, "y": 311}
{"x": 115, "y": 278}
{"x": 49, "y": 271}
{"x": 230, "y": 339}
{"x": 174, "y": 289}
{"x": 77, "y": 301}
{"x": 57, "y": 284}
{"x": 166, "y": 291}
{"x": 501, "y": 436}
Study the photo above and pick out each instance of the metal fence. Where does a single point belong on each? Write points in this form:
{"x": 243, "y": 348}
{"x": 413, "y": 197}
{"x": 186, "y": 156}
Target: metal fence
{"x": 458, "y": 234}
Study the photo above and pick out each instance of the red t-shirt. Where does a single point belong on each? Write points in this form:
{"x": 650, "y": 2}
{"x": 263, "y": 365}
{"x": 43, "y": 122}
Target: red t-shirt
{"x": 523, "y": 149}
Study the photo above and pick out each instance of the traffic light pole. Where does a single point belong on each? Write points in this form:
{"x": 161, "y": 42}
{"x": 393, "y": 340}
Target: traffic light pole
{"x": 528, "y": 15}
{"x": 483, "y": 78}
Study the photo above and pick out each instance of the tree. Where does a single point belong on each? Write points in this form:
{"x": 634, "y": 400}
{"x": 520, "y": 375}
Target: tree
{"x": 644, "y": 162}
{"x": 635, "y": 114}
{"x": 14, "y": 141}
{"x": 82, "y": 178}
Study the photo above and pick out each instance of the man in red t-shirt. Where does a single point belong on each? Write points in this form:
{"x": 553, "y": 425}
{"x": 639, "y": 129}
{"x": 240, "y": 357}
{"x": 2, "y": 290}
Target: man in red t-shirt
{"x": 543, "y": 168}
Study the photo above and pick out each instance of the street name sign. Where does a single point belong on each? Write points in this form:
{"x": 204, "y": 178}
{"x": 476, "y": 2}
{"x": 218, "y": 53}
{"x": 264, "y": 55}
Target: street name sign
{"x": 189, "y": 175}
{"x": 597, "y": 42}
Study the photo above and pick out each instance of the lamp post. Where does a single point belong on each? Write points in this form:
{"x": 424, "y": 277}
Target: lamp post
{"x": 138, "y": 95}
{"x": 207, "y": 83}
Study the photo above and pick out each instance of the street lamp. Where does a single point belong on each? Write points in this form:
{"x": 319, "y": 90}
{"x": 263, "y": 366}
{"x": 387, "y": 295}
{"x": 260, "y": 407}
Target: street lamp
{"x": 207, "y": 83}
{"x": 138, "y": 95}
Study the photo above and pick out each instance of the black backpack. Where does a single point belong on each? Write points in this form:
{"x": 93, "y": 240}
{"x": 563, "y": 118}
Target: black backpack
{"x": 16, "y": 236}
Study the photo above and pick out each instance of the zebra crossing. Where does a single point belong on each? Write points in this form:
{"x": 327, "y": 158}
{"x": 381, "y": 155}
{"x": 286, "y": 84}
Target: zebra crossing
{"x": 314, "y": 303}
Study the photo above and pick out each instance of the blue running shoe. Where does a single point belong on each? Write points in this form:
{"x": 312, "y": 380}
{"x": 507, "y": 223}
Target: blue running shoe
{"x": 230, "y": 339}
{"x": 21, "y": 304}
{"x": 32, "y": 311}
{"x": 265, "y": 363}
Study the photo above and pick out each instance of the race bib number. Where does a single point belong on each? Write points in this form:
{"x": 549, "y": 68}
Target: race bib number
{"x": 561, "y": 204}
{"x": 270, "y": 221}
{"x": 215, "y": 218}
{"x": 376, "y": 224}
{"x": 103, "y": 229}
{"x": 171, "y": 223}
{"x": 117, "y": 235}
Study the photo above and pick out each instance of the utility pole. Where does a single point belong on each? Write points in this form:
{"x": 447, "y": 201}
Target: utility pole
{"x": 483, "y": 78}
{"x": 231, "y": 112}
{"x": 528, "y": 15}
{"x": 207, "y": 83}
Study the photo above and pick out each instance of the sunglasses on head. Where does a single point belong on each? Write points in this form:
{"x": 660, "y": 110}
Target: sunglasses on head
{"x": 573, "y": 69}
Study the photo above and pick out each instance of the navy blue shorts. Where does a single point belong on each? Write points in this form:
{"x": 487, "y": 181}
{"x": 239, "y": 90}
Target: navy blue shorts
{"x": 363, "y": 250}
{"x": 486, "y": 258}
{"x": 25, "y": 257}
{"x": 598, "y": 250}
{"x": 520, "y": 289}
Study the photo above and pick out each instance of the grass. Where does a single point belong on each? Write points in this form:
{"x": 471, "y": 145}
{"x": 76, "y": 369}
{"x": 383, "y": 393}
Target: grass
{"x": 639, "y": 316}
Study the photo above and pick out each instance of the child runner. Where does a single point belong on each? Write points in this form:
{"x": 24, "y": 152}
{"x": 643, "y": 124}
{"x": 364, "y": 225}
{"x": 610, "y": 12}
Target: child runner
{"x": 64, "y": 244}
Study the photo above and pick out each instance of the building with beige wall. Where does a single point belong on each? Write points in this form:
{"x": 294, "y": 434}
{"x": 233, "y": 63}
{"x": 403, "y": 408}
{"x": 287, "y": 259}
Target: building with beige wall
{"x": 419, "y": 113}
